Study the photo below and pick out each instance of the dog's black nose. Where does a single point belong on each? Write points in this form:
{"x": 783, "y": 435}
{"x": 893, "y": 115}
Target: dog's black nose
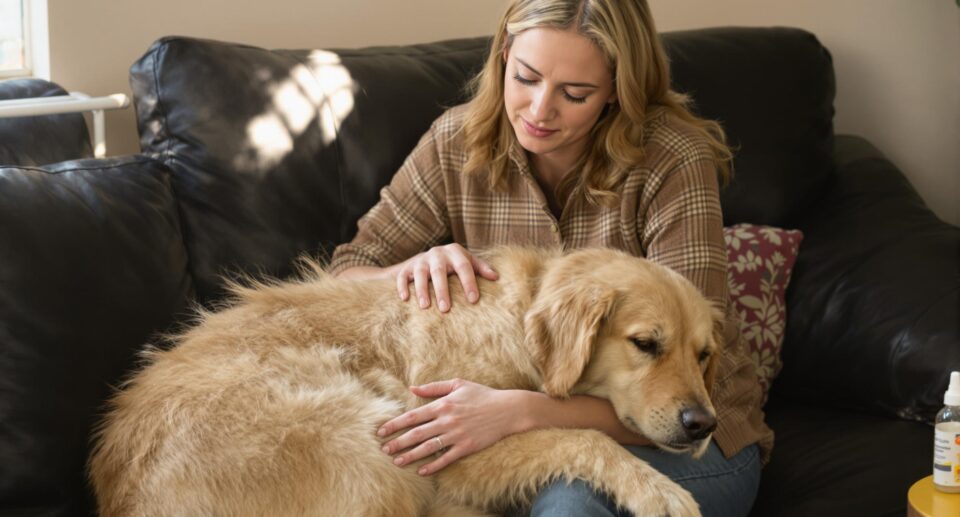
{"x": 697, "y": 422}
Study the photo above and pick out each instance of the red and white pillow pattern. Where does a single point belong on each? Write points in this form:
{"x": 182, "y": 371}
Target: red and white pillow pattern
{"x": 760, "y": 261}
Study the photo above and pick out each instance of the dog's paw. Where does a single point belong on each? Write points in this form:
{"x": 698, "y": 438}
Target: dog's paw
{"x": 664, "y": 499}
{"x": 680, "y": 503}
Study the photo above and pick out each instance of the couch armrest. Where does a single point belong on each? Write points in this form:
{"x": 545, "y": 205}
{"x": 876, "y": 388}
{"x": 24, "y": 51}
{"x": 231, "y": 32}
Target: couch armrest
{"x": 92, "y": 263}
{"x": 873, "y": 306}
{"x": 42, "y": 139}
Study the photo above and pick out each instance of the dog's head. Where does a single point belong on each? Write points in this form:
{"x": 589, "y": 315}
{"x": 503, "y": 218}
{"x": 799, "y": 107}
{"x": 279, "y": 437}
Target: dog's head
{"x": 607, "y": 324}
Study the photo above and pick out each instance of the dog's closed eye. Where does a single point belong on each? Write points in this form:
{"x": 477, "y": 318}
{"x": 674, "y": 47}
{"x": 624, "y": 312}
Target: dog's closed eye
{"x": 704, "y": 355}
{"x": 647, "y": 346}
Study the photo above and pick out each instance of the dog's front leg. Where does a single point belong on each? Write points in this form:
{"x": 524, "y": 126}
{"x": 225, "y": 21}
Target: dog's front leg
{"x": 511, "y": 471}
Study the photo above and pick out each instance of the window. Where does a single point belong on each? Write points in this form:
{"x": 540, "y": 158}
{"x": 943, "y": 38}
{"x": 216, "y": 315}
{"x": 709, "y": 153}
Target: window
{"x": 14, "y": 39}
{"x": 24, "y": 46}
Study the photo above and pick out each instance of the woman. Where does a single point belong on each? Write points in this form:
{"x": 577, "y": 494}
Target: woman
{"x": 572, "y": 138}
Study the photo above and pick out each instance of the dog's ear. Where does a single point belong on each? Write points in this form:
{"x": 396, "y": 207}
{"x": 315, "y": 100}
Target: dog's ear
{"x": 561, "y": 327}
{"x": 720, "y": 339}
{"x": 710, "y": 376}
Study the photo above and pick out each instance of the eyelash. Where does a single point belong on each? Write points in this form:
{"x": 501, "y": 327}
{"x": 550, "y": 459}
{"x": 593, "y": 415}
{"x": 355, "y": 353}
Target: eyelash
{"x": 571, "y": 98}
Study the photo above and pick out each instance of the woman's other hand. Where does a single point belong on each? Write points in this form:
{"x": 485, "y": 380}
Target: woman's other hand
{"x": 434, "y": 266}
{"x": 466, "y": 418}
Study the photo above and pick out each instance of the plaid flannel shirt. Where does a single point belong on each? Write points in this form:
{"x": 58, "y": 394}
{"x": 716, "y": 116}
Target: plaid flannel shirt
{"x": 668, "y": 212}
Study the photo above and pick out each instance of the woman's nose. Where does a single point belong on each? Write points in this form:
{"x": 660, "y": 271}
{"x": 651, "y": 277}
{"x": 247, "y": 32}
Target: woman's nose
{"x": 541, "y": 106}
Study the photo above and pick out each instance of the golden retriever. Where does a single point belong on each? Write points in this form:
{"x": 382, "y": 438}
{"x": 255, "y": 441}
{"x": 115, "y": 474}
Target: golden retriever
{"x": 270, "y": 406}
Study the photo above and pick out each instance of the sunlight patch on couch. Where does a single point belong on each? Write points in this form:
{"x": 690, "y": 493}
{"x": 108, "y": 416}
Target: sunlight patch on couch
{"x": 320, "y": 90}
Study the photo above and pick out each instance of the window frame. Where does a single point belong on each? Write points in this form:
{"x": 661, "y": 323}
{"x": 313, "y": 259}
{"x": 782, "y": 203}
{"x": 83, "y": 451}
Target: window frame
{"x": 35, "y": 42}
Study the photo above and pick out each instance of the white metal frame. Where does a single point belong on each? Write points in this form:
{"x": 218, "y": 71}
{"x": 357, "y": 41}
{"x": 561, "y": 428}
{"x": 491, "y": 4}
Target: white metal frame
{"x": 75, "y": 102}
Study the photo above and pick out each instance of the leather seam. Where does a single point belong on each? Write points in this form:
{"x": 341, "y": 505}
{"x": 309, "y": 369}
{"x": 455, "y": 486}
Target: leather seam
{"x": 33, "y": 168}
{"x": 341, "y": 210}
{"x": 163, "y": 113}
{"x": 166, "y": 155}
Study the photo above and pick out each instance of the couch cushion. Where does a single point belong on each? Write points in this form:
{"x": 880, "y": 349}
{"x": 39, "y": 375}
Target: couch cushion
{"x": 835, "y": 463}
{"x": 40, "y": 140}
{"x": 276, "y": 153}
{"x": 91, "y": 264}
{"x": 873, "y": 306}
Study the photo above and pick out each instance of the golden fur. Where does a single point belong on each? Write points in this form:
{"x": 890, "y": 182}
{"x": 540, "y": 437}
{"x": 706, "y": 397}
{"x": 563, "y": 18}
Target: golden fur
{"x": 270, "y": 406}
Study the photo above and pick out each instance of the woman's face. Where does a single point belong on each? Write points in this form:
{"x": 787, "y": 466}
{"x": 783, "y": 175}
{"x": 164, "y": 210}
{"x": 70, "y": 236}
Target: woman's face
{"x": 555, "y": 87}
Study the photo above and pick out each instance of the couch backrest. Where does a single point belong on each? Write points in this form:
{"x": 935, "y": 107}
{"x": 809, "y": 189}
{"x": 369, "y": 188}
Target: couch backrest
{"x": 773, "y": 90}
{"x": 64, "y": 137}
{"x": 277, "y": 153}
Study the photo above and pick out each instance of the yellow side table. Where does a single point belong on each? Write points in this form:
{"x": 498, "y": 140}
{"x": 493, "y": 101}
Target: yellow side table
{"x": 923, "y": 500}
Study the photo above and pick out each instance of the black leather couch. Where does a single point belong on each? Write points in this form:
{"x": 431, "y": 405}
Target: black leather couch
{"x": 251, "y": 157}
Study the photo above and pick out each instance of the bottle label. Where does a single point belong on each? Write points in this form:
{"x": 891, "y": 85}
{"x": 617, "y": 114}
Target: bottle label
{"x": 946, "y": 458}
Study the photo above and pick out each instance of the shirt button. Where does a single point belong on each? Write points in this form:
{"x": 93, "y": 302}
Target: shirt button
{"x": 553, "y": 228}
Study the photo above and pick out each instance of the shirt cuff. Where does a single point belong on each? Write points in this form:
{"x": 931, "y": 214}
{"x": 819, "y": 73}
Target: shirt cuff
{"x": 347, "y": 256}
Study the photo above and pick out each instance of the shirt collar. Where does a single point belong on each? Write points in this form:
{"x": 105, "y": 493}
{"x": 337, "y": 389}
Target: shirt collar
{"x": 518, "y": 155}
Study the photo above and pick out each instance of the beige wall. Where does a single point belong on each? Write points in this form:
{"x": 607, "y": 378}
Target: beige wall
{"x": 898, "y": 74}
{"x": 897, "y": 61}
{"x": 94, "y": 42}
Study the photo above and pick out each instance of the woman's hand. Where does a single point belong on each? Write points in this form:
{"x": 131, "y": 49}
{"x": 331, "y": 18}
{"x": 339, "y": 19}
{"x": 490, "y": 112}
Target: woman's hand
{"x": 434, "y": 265}
{"x": 466, "y": 418}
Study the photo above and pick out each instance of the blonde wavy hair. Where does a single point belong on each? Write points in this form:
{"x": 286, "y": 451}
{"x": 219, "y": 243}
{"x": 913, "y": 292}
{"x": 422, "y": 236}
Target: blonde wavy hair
{"x": 625, "y": 33}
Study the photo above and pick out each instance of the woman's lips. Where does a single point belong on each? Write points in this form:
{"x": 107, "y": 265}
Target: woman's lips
{"x": 535, "y": 131}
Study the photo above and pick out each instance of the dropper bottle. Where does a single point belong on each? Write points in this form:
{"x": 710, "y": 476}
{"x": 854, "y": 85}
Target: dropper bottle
{"x": 946, "y": 440}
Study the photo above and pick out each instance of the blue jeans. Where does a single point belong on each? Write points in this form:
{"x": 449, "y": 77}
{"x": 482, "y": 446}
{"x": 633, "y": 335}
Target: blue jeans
{"x": 722, "y": 487}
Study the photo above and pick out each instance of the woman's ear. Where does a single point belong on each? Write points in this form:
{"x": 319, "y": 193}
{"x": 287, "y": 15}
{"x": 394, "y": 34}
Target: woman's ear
{"x": 561, "y": 328}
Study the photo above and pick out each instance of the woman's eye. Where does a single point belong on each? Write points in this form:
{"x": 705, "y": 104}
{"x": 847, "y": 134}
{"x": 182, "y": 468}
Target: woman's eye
{"x": 523, "y": 80}
{"x": 575, "y": 100}
{"x": 527, "y": 82}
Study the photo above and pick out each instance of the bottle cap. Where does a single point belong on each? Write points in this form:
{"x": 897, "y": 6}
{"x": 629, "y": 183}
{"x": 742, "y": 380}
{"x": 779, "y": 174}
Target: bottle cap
{"x": 952, "y": 396}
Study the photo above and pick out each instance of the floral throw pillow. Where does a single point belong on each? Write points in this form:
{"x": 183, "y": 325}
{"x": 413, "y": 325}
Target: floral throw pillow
{"x": 759, "y": 263}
